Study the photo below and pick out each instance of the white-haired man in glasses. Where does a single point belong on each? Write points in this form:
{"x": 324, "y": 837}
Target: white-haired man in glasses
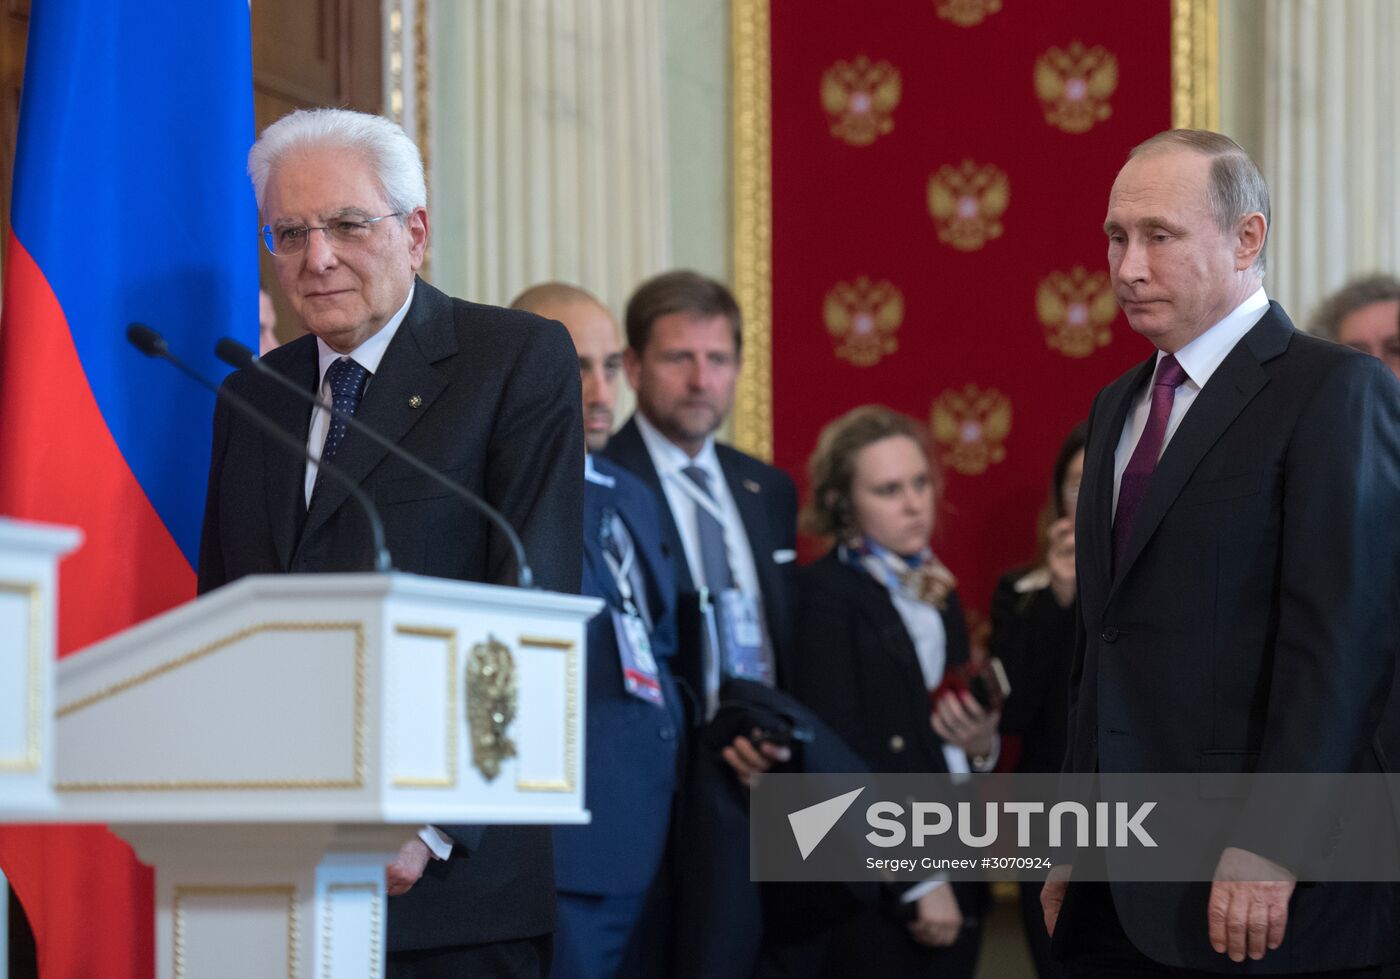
{"x": 488, "y": 396}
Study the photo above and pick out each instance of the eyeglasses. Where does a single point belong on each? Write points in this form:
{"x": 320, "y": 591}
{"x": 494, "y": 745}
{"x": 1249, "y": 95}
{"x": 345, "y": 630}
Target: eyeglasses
{"x": 293, "y": 239}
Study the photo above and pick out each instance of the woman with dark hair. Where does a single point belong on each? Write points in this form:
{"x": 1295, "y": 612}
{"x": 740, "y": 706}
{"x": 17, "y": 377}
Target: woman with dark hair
{"x": 1033, "y": 636}
{"x": 880, "y": 623}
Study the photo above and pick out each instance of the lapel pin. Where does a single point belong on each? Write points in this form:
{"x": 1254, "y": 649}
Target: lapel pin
{"x": 415, "y": 401}
{"x": 751, "y": 486}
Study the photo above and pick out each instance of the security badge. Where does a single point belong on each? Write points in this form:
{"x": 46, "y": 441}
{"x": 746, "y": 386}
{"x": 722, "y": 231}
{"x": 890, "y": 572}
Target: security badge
{"x": 741, "y": 637}
{"x": 640, "y": 676}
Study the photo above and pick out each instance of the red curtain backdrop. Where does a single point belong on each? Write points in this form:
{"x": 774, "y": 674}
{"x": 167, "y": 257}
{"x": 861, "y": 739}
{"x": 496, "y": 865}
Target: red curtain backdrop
{"x": 941, "y": 171}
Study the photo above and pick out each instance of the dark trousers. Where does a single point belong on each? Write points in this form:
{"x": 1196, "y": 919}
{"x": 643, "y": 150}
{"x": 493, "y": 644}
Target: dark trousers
{"x": 593, "y": 934}
{"x": 524, "y": 958}
{"x": 873, "y": 944}
{"x": 1094, "y": 945}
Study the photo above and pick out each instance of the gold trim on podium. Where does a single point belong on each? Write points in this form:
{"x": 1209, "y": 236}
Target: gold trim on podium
{"x": 231, "y": 890}
{"x": 174, "y": 784}
{"x": 33, "y": 755}
{"x": 571, "y": 701}
{"x": 376, "y": 928}
{"x": 753, "y": 224}
{"x": 449, "y": 735}
{"x": 1196, "y": 64}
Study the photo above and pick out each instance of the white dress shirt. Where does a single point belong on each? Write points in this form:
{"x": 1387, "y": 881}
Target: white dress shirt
{"x": 367, "y": 355}
{"x": 669, "y": 459}
{"x": 1199, "y": 359}
{"x": 682, "y": 497}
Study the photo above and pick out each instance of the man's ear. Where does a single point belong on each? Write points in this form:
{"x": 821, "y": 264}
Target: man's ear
{"x": 1253, "y": 229}
{"x": 632, "y": 365}
{"x": 416, "y": 224}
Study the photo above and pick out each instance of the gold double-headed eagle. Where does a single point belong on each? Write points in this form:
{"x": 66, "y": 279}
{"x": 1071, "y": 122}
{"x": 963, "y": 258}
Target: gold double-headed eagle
{"x": 862, "y": 317}
{"x": 970, "y": 426}
{"x": 860, "y": 97}
{"x": 967, "y": 203}
{"x": 1076, "y": 307}
{"x": 1074, "y": 86}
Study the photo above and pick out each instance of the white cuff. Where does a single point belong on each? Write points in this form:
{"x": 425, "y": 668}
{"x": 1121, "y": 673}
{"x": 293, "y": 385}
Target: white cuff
{"x": 438, "y": 842}
{"x": 919, "y": 890}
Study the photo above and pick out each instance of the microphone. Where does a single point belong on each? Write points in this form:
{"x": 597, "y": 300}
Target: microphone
{"x": 236, "y": 354}
{"x": 152, "y": 344}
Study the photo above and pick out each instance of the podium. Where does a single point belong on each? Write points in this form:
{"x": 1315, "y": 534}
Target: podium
{"x": 29, "y": 555}
{"x": 269, "y": 746}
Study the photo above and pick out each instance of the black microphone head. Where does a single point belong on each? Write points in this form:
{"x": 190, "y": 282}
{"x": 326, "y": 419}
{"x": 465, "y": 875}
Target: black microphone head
{"x": 233, "y": 353}
{"x": 146, "y": 340}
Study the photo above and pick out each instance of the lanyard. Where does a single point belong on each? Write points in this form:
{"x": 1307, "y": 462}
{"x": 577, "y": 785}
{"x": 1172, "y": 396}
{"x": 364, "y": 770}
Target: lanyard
{"x": 621, "y": 572}
{"x": 698, "y": 497}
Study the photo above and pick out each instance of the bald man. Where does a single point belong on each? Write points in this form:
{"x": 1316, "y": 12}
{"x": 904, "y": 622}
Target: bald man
{"x": 634, "y": 721}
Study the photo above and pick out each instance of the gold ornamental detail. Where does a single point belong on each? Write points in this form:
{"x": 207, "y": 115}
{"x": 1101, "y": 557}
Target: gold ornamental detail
{"x": 860, "y": 97}
{"x": 1076, "y": 308}
{"x": 862, "y": 317}
{"x": 492, "y": 700}
{"x": 1074, "y": 85}
{"x": 967, "y": 13}
{"x": 970, "y": 426}
{"x": 967, "y": 203}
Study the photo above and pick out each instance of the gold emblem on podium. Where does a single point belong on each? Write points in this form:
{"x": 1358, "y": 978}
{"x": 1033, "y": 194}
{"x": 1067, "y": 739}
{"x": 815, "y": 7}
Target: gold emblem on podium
{"x": 970, "y": 426}
{"x": 862, "y": 317}
{"x": 1076, "y": 308}
{"x": 967, "y": 13}
{"x": 859, "y": 96}
{"x": 1074, "y": 86}
{"x": 967, "y": 202}
{"x": 491, "y": 704}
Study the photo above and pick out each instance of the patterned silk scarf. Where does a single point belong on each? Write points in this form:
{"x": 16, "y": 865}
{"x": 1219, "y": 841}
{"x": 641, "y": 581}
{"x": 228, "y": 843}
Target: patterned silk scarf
{"x": 921, "y": 577}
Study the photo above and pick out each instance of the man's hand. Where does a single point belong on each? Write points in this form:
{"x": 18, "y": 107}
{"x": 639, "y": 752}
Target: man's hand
{"x": 407, "y": 867}
{"x": 1052, "y": 895}
{"x": 1248, "y": 908}
{"x": 939, "y": 919}
{"x": 749, "y": 761}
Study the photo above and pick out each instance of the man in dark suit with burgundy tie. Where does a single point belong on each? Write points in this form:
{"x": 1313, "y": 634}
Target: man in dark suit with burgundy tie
{"x": 1237, "y": 561}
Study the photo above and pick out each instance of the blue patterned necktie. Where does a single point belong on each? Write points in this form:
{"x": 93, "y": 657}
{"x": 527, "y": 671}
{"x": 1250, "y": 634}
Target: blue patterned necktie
{"x": 347, "y": 383}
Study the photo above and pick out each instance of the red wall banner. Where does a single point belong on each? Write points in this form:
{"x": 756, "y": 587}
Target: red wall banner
{"x": 940, "y": 174}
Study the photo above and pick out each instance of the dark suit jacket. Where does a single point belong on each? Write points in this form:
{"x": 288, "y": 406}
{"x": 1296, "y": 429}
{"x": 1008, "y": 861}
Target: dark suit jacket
{"x": 767, "y": 503}
{"x": 1034, "y": 639}
{"x": 859, "y": 671}
{"x": 500, "y": 414}
{"x": 632, "y": 745}
{"x": 1252, "y": 624}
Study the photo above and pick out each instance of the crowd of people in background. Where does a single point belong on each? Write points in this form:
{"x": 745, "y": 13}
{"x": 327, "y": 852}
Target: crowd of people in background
{"x": 715, "y": 648}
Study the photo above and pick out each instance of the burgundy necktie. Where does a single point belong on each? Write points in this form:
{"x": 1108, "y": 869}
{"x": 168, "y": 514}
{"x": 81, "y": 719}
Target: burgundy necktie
{"x": 1138, "y": 476}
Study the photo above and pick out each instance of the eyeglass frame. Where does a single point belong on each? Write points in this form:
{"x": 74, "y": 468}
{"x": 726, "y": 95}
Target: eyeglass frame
{"x": 267, "y": 232}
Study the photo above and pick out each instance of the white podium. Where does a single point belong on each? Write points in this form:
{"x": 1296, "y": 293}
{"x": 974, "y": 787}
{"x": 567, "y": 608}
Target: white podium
{"x": 269, "y": 746}
{"x": 29, "y": 556}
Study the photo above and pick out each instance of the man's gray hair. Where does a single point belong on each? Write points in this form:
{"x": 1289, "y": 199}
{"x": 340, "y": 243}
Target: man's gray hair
{"x": 1236, "y": 187}
{"x": 394, "y": 157}
{"x": 1357, "y": 294}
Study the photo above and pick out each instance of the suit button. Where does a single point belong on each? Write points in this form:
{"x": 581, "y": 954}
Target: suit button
{"x": 896, "y": 744}
{"x": 1109, "y": 634}
{"x": 667, "y": 733}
